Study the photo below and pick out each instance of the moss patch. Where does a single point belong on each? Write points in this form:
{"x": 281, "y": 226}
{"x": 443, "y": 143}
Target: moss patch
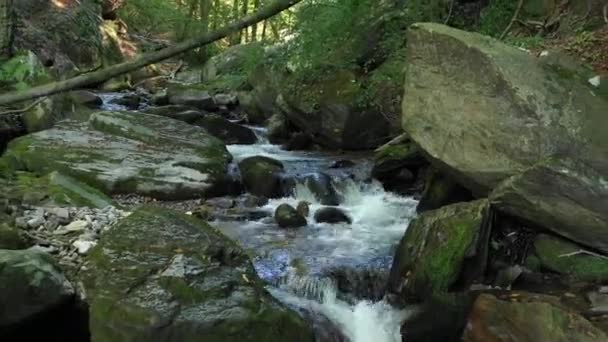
{"x": 557, "y": 255}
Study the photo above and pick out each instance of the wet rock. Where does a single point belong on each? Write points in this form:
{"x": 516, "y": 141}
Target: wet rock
{"x": 287, "y": 216}
{"x": 227, "y": 131}
{"x": 186, "y": 114}
{"x": 279, "y": 129}
{"x": 199, "y": 99}
{"x": 197, "y": 282}
{"x": 221, "y": 202}
{"x": 262, "y": 176}
{"x": 86, "y": 98}
{"x": 252, "y": 201}
{"x": 341, "y": 164}
{"x": 332, "y": 215}
{"x": 130, "y": 101}
{"x": 570, "y": 259}
{"x": 122, "y": 152}
{"x": 440, "y": 190}
{"x": 533, "y": 318}
{"x": 160, "y": 99}
{"x": 298, "y": 141}
{"x": 439, "y": 249}
{"x": 360, "y": 283}
{"x": 319, "y": 184}
{"x": 32, "y": 285}
{"x": 303, "y": 208}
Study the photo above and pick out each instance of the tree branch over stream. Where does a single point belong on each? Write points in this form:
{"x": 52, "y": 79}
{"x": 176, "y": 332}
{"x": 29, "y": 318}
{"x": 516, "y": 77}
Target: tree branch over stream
{"x": 100, "y": 76}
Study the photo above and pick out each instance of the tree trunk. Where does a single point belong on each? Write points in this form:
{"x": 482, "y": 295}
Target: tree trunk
{"x": 100, "y": 76}
{"x": 205, "y": 11}
{"x": 254, "y": 28}
{"x": 236, "y": 37}
{"x": 244, "y": 11}
{"x": 7, "y": 29}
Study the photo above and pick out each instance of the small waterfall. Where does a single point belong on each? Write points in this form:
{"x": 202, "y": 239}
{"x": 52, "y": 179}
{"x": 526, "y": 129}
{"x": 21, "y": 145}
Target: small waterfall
{"x": 363, "y": 321}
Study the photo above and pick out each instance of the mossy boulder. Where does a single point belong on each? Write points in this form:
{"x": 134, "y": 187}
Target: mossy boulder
{"x": 531, "y": 318}
{"x": 567, "y": 258}
{"x": 118, "y": 152}
{"x": 439, "y": 249}
{"x": 165, "y": 276}
{"x": 397, "y": 164}
{"x": 262, "y": 176}
{"x": 32, "y": 285}
{"x": 486, "y": 111}
{"x": 287, "y": 216}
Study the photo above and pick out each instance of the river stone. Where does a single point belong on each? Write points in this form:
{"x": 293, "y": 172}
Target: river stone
{"x": 119, "y": 152}
{"x": 31, "y": 285}
{"x": 319, "y": 184}
{"x": 560, "y": 195}
{"x": 229, "y": 132}
{"x": 165, "y": 276}
{"x": 332, "y": 215}
{"x": 533, "y": 318}
{"x": 440, "y": 190}
{"x": 178, "y": 112}
{"x": 486, "y": 111}
{"x": 441, "y": 247}
{"x": 86, "y": 98}
{"x": 287, "y": 216}
{"x": 262, "y": 176}
{"x": 567, "y": 258}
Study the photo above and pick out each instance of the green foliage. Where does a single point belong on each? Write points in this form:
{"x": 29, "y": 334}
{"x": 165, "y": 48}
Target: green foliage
{"x": 533, "y": 42}
{"x": 496, "y": 16}
{"x": 22, "y": 71}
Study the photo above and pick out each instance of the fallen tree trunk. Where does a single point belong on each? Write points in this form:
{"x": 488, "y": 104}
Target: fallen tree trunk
{"x": 100, "y": 76}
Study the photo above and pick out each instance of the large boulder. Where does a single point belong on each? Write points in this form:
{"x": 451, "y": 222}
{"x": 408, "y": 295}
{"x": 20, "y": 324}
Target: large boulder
{"x": 32, "y": 286}
{"x": 532, "y": 318}
{"x": 200, "y": 99}
{"x": 485, "y": 112}
{"x": 439, "y": 249}
{"x": 319, "y": 184}
{"x": 564, "y": 196}
{"x": 164, "y": 276}
{"x": 262, "y": 176}
{"x": 120, "y": 152}
{"x": 332, "y": 215}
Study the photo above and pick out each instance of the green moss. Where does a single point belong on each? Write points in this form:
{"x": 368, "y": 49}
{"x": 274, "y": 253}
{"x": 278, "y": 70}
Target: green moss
{"x": 396, "y": 152}
{"x": 11, "y": 237}
{"x": 561, "y": 256}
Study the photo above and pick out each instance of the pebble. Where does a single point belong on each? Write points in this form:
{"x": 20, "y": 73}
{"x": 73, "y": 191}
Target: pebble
{"x": 83, "y": 246}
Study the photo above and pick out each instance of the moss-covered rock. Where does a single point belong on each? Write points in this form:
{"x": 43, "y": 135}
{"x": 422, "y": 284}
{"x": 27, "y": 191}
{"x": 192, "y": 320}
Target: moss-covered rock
{"x": 532, "y": 318}
{"x": 11, "y": 237}
{"x": 31, "y": 285}
{"x": 165, "y": 276}
{"x": 570, "y": 259}
{"x": 439, "y": 248}
{"x": 127, "y": 153}
{"x": 287, "y": 216}
{"x": 262, "y": 176}
{"x": 225, "y": 130}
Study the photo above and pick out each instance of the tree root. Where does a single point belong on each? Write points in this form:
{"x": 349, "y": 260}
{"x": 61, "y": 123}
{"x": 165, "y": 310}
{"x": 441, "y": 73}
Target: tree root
{"x": 513, "y": 20}
{"x": 23, "y": 110}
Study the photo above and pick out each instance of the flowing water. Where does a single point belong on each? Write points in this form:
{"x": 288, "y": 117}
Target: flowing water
{"x": 297, "y": 262}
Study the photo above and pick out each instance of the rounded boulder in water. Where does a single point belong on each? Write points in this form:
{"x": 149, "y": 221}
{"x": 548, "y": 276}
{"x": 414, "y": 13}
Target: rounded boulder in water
{"x": 332, "y": 215}
{"x": 303, "y": 208}
{"x": 287, "y": 216}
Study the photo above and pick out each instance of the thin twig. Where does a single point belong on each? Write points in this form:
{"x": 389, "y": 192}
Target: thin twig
{"x": 581, "y": 251}
{"x": 513, "y": 20}
{"x": 447, "y": 20}
{"x": 606, "y": 13}
{"x": 23, "y": 110}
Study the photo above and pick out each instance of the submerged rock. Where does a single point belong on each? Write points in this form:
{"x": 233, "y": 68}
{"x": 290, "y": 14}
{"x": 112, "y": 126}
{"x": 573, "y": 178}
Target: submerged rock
{"x": 287, "y": 216}
{"x": 185, "y": 281}
{"x": 438, "y": 247}
{"x": 120, "y": 152}
{"x": 532, "y": 318}
{"x": 319, "y": 184}
{"x": 332, "y": 215}
{"x": 262, "y": 176}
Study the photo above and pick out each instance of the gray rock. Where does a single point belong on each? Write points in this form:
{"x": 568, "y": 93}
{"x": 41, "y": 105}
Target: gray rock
{"x": 332, "y": 215}
{"x": 287, "y": 216}
{"x": 192, "y": 97}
